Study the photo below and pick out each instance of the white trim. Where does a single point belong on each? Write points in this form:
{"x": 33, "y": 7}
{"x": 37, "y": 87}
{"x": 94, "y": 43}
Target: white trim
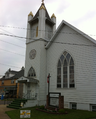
{"x": 25, "y": 79}
{"x": 68, "y": 72}
{"x": 91, "y": 107}
{"x": 71, "y": 103}
{"x": 72, "y": 27}
{"x": 37, "y": 39}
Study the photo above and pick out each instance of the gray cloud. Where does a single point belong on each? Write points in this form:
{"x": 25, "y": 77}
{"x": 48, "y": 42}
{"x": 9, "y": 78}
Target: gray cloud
{"x": 89, "y": 15}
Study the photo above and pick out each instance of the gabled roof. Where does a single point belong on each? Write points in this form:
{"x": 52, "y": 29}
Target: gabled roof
{"x": 12, "y": 72}
{"x": 72, "y": 27}
{"x": 16, "y": 76}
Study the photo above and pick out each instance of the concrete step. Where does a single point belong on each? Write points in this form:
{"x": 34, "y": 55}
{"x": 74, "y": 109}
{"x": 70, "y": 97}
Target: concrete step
{"x": 16, "y": 104}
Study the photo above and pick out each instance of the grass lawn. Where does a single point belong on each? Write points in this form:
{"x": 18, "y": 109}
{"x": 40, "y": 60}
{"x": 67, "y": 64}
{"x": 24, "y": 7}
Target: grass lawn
{"x": 35, "y": 114}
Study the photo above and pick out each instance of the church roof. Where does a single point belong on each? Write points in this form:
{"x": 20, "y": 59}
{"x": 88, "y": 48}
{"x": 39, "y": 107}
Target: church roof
{"x": 46, "y": 14}
{"x": 72, "y": 27}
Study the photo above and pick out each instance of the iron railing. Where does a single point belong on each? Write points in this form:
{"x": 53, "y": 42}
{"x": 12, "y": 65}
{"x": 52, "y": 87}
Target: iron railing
{"x": 30, "y": 95}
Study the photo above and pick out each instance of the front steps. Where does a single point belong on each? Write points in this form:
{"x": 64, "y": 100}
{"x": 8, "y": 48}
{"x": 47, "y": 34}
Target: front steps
{"x": 16, "y": 104}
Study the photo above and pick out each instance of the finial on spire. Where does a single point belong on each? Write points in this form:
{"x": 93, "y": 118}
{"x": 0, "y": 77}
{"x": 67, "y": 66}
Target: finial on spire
{"x": 42, "y": 1}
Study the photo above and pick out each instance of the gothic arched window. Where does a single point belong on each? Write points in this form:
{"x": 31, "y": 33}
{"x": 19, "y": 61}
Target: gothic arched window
{"x": 31, "y": 72}
{"x": 65, "y": 71}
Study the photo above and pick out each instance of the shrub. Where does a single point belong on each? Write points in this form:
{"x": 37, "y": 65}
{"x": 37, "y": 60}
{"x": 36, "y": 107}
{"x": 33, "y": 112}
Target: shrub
{"x": 61, "y": 111}
{"x": 42, "y": 107}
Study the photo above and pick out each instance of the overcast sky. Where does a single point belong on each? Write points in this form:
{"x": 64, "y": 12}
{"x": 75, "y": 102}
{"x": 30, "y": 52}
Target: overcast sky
{"x": 13, "y": 13}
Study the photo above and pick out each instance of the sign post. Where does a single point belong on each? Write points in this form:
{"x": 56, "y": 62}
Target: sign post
{"x": 48, "y": 81}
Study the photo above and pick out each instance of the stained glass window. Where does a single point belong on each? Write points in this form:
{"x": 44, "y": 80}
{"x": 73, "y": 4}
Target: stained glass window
{"x": 65, "y": 67}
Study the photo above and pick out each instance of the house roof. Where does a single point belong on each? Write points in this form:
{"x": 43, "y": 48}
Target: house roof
{"x": 12, "y": 71}
{"x": 16, "y": 76}
{"x": 72, "y": 27}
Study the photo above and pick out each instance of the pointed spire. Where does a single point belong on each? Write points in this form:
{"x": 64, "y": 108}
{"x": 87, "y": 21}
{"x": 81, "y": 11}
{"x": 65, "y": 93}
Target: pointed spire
{"x": 43, "y": 1}
{"x": 53, "y": 16}
{"x": 30, "y": 14}
{"x": 42, "y": 7}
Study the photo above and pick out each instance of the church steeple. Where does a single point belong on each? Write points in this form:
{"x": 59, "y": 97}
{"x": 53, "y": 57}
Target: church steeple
{"x": 42, "y": 1}
{"x": 42, "y": 6}
{"x": 42, "y": 22}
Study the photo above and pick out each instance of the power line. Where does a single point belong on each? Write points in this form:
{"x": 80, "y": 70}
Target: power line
{"x": 12, "y": 52}
{"x": 13, "y": 36}
{"x": 9, "y": 65}
{"x": 51, "y": 41}
{"x": 14, "y": 27}
{"x": 12, "y": 44}
{"x": 9, "y": 32}
{"x": 42, "y": 30}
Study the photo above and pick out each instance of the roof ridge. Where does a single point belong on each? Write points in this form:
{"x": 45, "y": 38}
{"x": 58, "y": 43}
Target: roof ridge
{"x": 72, "y": 27}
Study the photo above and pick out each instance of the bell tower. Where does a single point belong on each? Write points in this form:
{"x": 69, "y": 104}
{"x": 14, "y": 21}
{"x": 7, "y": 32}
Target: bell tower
{"x": 40, "y": 28}
{"x": 40, "y": 25}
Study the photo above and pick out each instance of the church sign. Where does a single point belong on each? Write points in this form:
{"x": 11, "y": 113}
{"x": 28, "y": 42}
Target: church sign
{"x": 54, "y": 102}
{"x": 54, "y": 99}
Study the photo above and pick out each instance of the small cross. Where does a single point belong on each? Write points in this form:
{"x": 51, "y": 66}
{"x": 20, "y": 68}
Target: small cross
{"x": 42, "y": 1}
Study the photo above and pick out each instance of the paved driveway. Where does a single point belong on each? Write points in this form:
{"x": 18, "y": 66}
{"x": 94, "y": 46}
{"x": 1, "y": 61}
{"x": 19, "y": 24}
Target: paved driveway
{"x": 3, "y": 109}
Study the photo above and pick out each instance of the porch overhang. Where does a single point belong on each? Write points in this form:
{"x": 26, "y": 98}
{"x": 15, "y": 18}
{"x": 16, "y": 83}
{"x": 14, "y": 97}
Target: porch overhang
{"x": 26, "y": 79}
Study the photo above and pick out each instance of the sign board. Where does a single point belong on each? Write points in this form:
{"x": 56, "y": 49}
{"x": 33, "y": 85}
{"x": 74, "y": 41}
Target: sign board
{"x": 54, "y": 102}
{"x": 54, "y": 95}
{"x": 54, "y": 99}
{"x": 25, "y": 113}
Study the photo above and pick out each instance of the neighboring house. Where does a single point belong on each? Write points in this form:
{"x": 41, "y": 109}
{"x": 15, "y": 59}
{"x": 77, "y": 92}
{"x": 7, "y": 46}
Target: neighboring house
{"x": 67, "y": 54}
{"x": 8, "y": 83}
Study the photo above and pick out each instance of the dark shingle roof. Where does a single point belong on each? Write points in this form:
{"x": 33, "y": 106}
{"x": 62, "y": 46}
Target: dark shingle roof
{"x": 14, "y": 72}
{"x": 16, "y": 76}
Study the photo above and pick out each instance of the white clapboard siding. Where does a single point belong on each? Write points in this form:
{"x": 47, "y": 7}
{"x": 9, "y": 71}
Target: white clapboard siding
{"x": 85, "y": 66}
{"x": 39, "y": 64}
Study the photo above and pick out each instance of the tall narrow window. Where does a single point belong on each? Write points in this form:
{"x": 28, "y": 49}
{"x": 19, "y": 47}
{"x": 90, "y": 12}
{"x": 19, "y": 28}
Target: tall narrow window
{"x": 2, "y": 81}
{"x": 37, "y": 31}
{"x": 65, "y": 82}
{"x": 71, "y": 77}
{"x": 65, "y": 71}
{"x": 31, "y": 72}
{"x": 59, "y": 75}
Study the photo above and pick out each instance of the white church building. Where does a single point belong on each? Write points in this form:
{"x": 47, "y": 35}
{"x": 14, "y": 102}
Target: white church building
{"x": 68, "y": 54}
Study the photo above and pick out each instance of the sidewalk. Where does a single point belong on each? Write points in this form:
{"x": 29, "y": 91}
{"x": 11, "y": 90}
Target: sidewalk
{"x": 5, "y": 102}
{"x": 3, "y": 109}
